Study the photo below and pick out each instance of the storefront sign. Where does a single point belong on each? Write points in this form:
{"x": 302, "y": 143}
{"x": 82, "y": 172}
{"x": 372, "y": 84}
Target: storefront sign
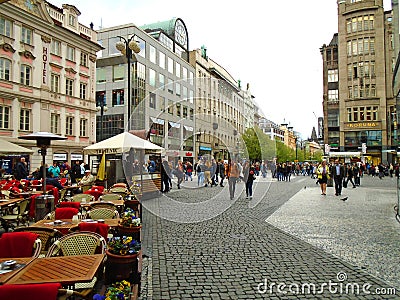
{"x": 76, "y": 157}
{"x": 45, "y": 65}
{"x": 362, "y": 125}
{"x": 60, "y": 156}
{"x": 205, "y": 148}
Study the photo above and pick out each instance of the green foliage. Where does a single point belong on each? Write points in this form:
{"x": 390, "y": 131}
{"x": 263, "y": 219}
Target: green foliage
{"x": 259, "y": 146}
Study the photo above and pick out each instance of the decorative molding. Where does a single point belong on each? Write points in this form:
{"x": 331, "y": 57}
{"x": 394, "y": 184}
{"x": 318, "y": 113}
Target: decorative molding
{"x": 55, "y": 65}
{"x": 69, "y": 69}
{"x": 27, "y": 54}
{"x": 7, "y": 47}
{"x": 46, "y": 39}
{"x": 92, "y": 58}
{"x": 84, "y": 75}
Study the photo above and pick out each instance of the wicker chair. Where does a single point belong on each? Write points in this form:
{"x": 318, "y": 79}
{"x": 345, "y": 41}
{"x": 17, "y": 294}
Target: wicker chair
{"x": 123, "y": 191}
{"x": 79, "y": 243}
{"x": 21, "y": 216}
{"x": 102, "y": 213}
{"x": 80, "y": 197}
{"x": 108, "y": 205}
{"x": 47, "y": 235}
{"x": 110, "y": 197}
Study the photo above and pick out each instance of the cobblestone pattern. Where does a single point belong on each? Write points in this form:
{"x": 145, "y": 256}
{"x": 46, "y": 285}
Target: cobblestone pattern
{"x": 230, "y": 255}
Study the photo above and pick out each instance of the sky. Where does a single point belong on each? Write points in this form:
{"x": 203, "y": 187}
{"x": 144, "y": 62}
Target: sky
{"x": 271, "y": 45}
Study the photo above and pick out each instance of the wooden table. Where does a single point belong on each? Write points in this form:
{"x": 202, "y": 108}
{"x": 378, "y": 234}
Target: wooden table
{"x": 66, "y": 270}
{"x": 7, "y": 202}
{"x": 20, "y": 261}
{"x": 68, "y": 224}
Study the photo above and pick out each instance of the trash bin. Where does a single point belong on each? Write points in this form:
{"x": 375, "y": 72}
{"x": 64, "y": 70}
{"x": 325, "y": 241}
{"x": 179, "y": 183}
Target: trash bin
{"x": 43, "y": 205}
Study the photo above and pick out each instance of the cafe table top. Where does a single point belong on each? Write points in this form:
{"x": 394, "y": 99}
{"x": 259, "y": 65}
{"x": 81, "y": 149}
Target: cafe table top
{"x": 67, "y": 223}
{"x": 6, "y": 202}
{"x": 63, "y": 269}
{"x": 20, "y": 262}
{"x": 120, "y": 202}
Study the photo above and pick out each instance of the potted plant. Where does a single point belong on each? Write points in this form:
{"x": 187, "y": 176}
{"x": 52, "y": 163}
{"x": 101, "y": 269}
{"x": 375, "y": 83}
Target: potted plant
{"x": 117, "y": 291}
{"x": 122, "y": 258}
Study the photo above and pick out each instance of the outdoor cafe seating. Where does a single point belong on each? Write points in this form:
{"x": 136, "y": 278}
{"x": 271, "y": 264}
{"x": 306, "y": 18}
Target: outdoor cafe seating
{"x": 20, "y": 244}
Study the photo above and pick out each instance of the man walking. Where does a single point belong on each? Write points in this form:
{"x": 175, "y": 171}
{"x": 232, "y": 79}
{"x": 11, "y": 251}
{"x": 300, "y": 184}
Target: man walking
{"x": 337, "y": 172}
{"x": 21, "y": 169}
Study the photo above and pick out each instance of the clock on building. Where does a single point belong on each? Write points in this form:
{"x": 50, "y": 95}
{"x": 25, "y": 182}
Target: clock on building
{"x": 181, "y": 33}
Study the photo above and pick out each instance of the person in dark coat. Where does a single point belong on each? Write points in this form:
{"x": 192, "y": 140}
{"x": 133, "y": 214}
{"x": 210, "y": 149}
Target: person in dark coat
{"x": 338, "y": 173}
{"x": 76, "y": 172}
{"x": 21, "y": 169}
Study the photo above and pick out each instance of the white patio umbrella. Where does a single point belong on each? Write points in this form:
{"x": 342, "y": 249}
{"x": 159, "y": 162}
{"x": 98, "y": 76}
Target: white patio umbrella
{"x": 7, "y": 147}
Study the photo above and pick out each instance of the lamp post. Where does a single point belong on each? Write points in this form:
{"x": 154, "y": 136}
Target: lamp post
{"x": 127, "y": 47}
{"x": 102, "y": 108}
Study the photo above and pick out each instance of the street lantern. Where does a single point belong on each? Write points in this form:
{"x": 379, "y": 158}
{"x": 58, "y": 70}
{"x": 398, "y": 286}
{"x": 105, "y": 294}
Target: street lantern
{"x": 43, "y": 140}
{"x": 127, "y": 47}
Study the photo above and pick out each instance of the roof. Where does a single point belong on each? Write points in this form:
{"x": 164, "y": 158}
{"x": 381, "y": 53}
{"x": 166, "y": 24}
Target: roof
{"x": 166, "y": 26}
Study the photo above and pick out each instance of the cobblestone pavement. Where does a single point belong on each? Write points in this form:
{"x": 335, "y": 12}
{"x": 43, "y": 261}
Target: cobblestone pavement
{"x": 206, "y": 246}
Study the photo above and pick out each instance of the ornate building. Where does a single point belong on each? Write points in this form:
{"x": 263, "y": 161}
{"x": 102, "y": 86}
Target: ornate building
{"x": 47, "y": 77}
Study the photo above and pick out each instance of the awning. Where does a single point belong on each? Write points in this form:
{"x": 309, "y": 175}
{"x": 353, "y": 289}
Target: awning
{"x": 188, "y": 128}
{"x": 157, "y": 121}
{"x": 175, "y": 125}
{"x": 345, "y": 154}
{"x": 7, "y": 147}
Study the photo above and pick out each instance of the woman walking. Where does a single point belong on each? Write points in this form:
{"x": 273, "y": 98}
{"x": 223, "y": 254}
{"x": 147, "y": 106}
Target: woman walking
{"x": 233, "y": 175}
{"x": 323, "y": 176}
{"x": 249, "y": 173}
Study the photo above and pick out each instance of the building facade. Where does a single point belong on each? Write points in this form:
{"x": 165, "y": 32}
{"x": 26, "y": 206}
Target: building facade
{"x": 162, "y": 84}
{"x": 47, "y": 77}
{"x": 219, "y": 108}
{"x": 358, "y": 69}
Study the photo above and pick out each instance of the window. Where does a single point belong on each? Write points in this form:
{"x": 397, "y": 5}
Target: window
{"x": 69, "y": 126}
{"x": 170, "y": 86}
{"x": 184, "y": 73}
{"x": 82, "y": 90}
{"x": 161, "y": 60}
{"x": 161, "y": 103}
{"x": 5, "y": 69}
{"x": 152, "y": 100}
{"x": 152, "y": 77}
{"x": 184, "y": 92}
{"x": 118, "y": 72}
{"x": 333, "y": 75}
{"x": 362, "y": 113}
{"x": 55, "y": 123}
{"x": 25, "y": 75}
{"x": 83, "y": 127}
{"x": 26, "y": 35}
{"x": 170, "y": 65}
{"x": 161, "y": 81}
{"x": 117, "y": 97}
{"x": 333, "y": 95}
{"x": 69, "y": 87}
{"x": 170, "y": 107}
{"x": 100, "y": 75}
{"x": 191, "y": 114}
{"x": 55, "y": 47}
{"x": 24, "y": 119}
{"x": 177, "y": 89}
{"x": 178, "y": 69}
{"x": 84, "y": 60}
{"x": 55, "y": 83}
{"x": 184, "y": 112}
{"x": 152, "y": 54}
{"x": 178, "y": 109}
{"x": 71, "y": 20}
{"x": 5, "y": 27}
{"x": 4, "y": 117}
{"x": 70, "y": 53}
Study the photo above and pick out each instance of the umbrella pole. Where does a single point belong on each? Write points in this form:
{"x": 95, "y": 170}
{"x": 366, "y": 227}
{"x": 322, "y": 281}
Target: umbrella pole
{"x": 43, "y": 152}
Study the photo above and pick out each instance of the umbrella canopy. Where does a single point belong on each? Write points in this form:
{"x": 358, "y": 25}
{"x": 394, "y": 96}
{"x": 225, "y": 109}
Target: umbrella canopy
{"x": 7, "y": 147}
{"x": 121, "y": 143}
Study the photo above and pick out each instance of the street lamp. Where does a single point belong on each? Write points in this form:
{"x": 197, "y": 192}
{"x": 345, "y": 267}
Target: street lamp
{"x": 102, "y": 108}
{"x": 127, "y": 47}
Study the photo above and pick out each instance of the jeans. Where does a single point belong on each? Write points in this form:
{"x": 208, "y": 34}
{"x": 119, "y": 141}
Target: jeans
{"x": 200, "y": 178}
{"x": 249, "y": 188}
{"x": 232, "y": 186}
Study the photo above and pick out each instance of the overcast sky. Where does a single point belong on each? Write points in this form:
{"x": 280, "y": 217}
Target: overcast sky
{"x": 272, "y": 45}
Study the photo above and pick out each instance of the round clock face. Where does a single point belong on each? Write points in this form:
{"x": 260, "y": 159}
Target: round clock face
{"x": 180, "y": 34}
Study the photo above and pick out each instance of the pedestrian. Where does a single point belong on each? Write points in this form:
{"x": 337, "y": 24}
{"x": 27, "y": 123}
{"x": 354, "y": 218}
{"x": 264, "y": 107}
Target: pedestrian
{"x": 323, "y": 176}
{"x": 350, "y": 175}
{"x": 221, "y": 172}
{"x": 337, "y": 171}
{"x": 233, "y": 175}
{"x": 55, "y": 170}
{"x": 76, "y": 174}
{"x": 21, "y": 169}
{"x": 207, "y": 172}
{"x": 179, "y": 173}
{"x": 250, "y": 176}
{"x": 165, "y": 175}
{"x": 380, "y": 171}
{"x": 189, "y": 171}
{"x": 200, "y": 173}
